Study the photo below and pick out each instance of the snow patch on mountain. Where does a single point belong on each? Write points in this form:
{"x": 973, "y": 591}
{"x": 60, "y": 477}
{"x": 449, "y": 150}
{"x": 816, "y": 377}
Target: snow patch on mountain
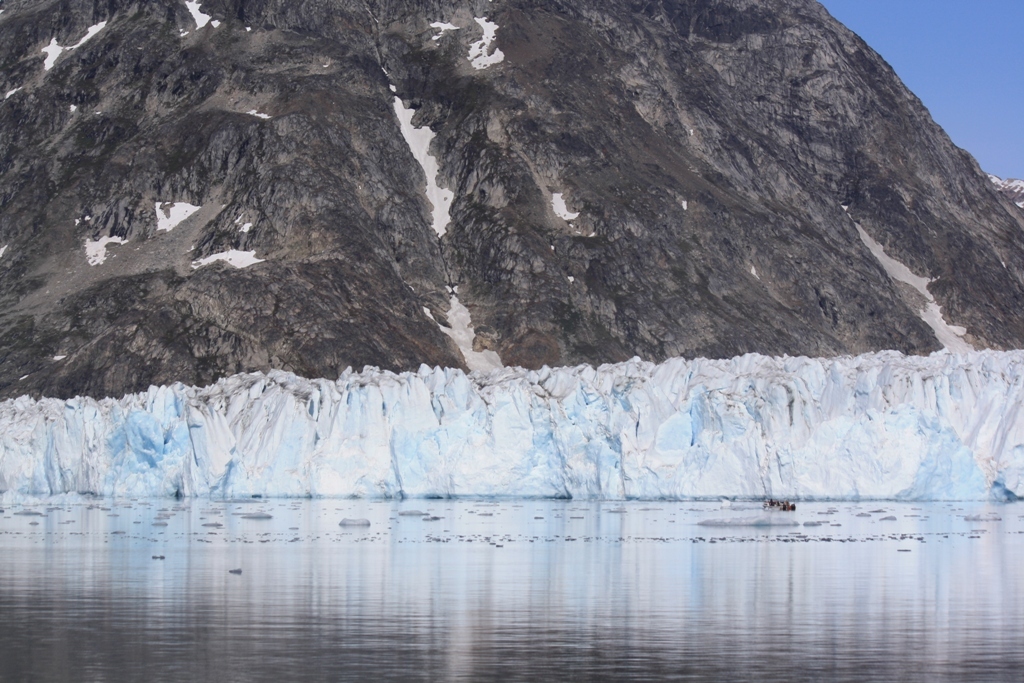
{"x": 170, "y": 215}
{"x": 53, "y": 51}
{"x": 950, "y": 336}
{"x": 1011, "y": 188}
{"x": 561, "y": 210}
{"x": 233, "y": 257}
{"x": 419, "y": 140}
{"x": 462, "y": 332}
{"x": 96, "y": 250}
{"x": 442, "y": 28}
{"x": 200, "y": 18}
{"x": 478, "y": 55}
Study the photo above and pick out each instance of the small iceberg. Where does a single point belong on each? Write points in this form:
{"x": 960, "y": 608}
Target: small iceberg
{"x": 354, "y": 522}
{"x": 257, "y": 515}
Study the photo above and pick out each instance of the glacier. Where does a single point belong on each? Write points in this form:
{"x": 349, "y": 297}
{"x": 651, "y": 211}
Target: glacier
{"x": 948, "y": 426}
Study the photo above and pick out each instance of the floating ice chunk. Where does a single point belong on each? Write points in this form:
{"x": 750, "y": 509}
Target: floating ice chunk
{"x": 200, "y": 18}
{"x": 419, "y": 140}
{"x": 233, "y": 257}
{"x": 561, "y": 210}
{"x": 257, "y": 114}
{"x": 442, "y": 27}
{"x": 257, "y": 515}
{"x": 478, "y": 56}
{"x": 990, "y": 517}
{"x": 461, "y": 331}
{"x": 170, "y": 215}
{"x": 96, "y": 251}
{"x": 354, "y": 522}
{"x": 760, "y": 520}
{"x": 11, "y": 92}
{"x": 950, "y": 336}
{"x": 411, "y": 513}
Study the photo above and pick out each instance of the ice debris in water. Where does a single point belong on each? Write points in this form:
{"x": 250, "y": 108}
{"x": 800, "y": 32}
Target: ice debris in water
{"x": 877, "y": 426}
{"x": 354, "y": 522}
{"x": 478, "y": 56}
{"x": 760, "y": 520}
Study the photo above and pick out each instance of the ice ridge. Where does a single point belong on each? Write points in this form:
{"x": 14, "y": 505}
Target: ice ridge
{"x": 878, "y": 426}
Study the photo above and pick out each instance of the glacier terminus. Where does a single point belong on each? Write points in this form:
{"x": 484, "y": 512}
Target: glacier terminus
{"x": 877, "y": 426}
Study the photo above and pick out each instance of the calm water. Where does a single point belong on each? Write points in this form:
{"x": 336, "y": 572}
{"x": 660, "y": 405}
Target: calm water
{"x": 513, "y": 591}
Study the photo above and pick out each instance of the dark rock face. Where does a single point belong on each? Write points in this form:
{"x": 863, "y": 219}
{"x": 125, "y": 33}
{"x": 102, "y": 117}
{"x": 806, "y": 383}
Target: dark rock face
{"x": 709, "y": 147}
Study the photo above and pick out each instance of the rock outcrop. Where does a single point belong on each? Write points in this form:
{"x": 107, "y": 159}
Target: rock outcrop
{"x": 192, "y": 190}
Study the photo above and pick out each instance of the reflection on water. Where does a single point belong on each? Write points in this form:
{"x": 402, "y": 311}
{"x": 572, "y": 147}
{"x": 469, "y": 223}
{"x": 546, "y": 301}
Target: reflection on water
{"x": 525, "y": 590}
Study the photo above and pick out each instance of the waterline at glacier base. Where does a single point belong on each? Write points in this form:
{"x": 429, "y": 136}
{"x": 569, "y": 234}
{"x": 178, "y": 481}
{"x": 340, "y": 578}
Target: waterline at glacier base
{"x": 876, "y": 426}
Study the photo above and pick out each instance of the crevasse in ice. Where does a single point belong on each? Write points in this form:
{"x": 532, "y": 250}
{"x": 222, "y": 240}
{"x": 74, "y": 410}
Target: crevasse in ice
{"x": 884, "y": 426}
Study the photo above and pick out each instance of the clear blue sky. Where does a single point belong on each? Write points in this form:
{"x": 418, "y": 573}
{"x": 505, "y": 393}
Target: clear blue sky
{"x": 963, "y": 58}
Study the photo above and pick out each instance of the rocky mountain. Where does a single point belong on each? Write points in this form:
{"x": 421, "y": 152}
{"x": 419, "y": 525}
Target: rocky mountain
{"x": 1010, "y": 188}
{"x": 190, "y": 190}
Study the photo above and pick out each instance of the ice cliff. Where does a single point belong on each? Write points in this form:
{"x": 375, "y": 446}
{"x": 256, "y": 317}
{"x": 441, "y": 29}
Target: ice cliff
{"x": 948, "y": 426}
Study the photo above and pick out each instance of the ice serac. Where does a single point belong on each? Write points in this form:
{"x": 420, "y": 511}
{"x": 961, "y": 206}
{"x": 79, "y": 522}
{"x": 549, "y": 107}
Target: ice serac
{"x": 878, "y": 426}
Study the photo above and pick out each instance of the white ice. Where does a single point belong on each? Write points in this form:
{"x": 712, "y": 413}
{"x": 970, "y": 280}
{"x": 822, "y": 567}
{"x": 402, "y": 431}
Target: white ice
{"x": 461, "y": 331}
{"x": 96, "y": 251}
{"x": 89, "y": 33}
{"x": 478, "y": 56}
{"x": 877, "y": 426}
{"x": 53, "y": 50}
{"x": 3, "y": 250}
{"x": 233, "y": 257}
{"x": 171, "y": 214}
{"x": 11, "y": 92}
{"x": 561, "y": 210}
{"x": 419, "y": 140}
{"x": 950, "y": 336}
{"x": 258, "y": 114}
{"x": 200, "y": 18}
{"x": 442, "y": 27}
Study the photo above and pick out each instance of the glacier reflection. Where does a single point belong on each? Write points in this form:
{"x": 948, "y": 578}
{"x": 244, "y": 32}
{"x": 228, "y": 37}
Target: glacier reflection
{"x": 513, "y": 590}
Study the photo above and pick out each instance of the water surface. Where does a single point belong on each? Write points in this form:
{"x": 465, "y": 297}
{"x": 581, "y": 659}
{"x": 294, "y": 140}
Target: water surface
{"x": 510, "y": 590}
